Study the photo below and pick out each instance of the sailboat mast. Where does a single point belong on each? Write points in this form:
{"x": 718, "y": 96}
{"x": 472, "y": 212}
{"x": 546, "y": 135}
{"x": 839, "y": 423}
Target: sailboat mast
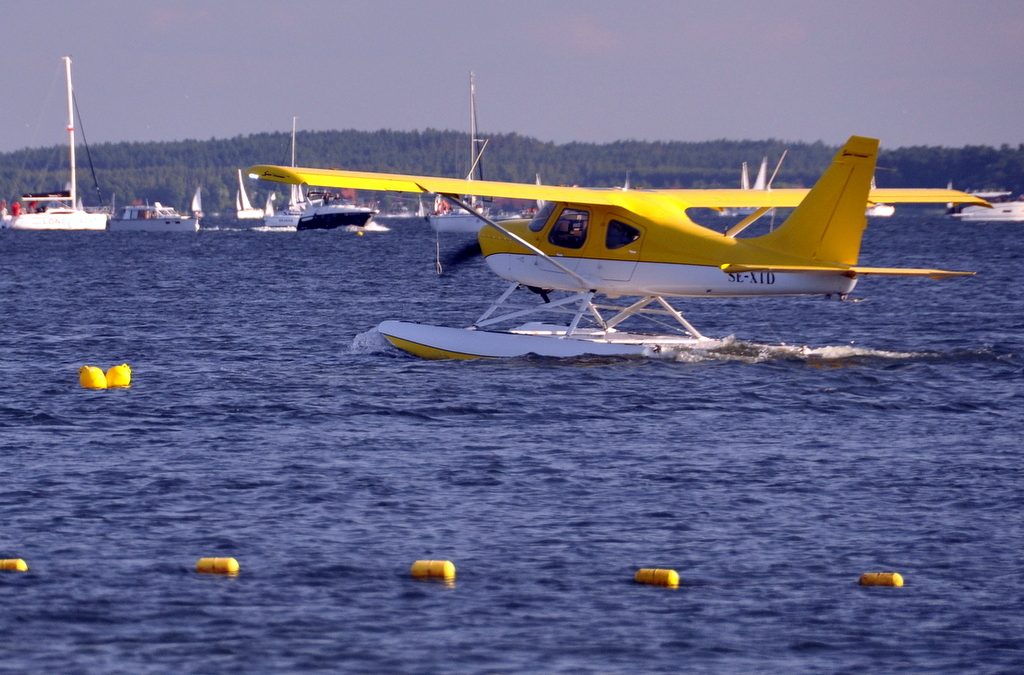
{"x": 293, "y": 140}
{"x": 472, "y": 125}
{"x": 71, "y": 133}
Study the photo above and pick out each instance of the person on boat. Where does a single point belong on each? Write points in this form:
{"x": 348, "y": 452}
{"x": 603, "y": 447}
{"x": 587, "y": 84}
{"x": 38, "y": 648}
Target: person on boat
{"x": 16, "y": 209}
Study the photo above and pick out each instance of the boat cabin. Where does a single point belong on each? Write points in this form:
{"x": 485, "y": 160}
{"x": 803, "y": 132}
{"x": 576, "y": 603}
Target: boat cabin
{"x": 147, "y": 212}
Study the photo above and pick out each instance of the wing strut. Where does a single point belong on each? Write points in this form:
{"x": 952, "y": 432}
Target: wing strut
{"x": 746, "y": 222}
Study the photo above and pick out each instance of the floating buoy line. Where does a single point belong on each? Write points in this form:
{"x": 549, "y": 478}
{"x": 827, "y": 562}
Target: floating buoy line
{"x": 444, "y": 571}
{"x": 120, "y": 376}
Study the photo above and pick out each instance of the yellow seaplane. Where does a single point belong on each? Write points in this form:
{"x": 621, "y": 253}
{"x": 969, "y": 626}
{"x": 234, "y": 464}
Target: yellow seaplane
{"x": 593, "y": 259}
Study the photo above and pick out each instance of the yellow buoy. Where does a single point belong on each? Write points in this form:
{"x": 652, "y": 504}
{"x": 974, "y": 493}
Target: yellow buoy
{"x": 92, "y": 377}
{"x": 217, "y": 566}
{"x": 119, "y": 376}
{"x": 657, "y": 577}
{"x": 13, "y": 565}
{"x": 881, "y": 579}
{"x": 434, "y": 569}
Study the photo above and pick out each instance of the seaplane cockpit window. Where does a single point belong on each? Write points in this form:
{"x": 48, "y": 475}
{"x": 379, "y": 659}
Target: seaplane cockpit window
{"x": 540, "y": 219}
{"x": 570, "y": 230}
{"x": 619, "y": 235}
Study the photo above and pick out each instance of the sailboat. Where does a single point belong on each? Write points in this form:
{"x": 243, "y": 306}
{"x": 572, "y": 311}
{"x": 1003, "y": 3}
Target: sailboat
{"x": 58, "y": 210}
{"x": 444, "y": 218}
{"x": 243, "y": 208}
{"x": 760, "y": 183}
{"x": 287, "y": 218}
{"x": 197, "y": 203}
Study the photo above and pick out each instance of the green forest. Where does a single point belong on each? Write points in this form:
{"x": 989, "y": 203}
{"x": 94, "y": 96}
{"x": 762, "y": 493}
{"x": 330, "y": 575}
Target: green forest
{"x": 169, "y": 172}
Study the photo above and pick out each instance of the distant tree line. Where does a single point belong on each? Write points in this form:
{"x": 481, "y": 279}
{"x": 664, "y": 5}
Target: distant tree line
{"x": 169, "y": 172}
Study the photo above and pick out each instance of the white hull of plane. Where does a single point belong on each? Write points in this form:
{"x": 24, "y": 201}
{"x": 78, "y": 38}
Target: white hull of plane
{"x": 442, "y": 342}
{"x": 622, "y": 277}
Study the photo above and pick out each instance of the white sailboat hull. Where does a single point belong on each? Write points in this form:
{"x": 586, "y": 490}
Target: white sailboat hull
{"x": 60, "y": 220}
{"x": 282, "y": 221}
{"x": 465, "y": 223}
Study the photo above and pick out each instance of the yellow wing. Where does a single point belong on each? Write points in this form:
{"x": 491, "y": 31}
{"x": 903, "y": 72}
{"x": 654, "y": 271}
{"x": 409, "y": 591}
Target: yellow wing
{"x": 394, "y": 182}
{"x": 634, "y": 200}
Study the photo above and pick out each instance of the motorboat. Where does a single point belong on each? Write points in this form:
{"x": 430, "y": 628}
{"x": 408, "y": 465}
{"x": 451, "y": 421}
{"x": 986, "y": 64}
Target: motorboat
{"x": 328, "y": 212}
{"x": 152, "y": 218}
{"x": 878, "y": 210}
{"x": 1004, "y": 208}
{"x": 58, "y": 210}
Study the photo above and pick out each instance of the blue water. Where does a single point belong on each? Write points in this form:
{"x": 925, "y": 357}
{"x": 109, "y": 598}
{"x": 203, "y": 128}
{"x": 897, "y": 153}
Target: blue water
{"x": 267, "y": 421}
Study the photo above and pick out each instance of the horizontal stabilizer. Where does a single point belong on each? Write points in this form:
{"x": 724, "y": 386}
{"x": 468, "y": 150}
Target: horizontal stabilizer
{"x": 923, "y": 196}
{"x": 852, "y": 270}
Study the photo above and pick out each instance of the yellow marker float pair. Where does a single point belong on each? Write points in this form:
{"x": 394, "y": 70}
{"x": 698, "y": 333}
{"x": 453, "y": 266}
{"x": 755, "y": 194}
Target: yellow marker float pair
{"x": 91, "y": 377}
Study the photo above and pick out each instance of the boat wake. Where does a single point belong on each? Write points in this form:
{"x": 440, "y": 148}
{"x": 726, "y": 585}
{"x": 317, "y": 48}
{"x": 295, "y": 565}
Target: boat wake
{"x": 372, "y": 226}
{"x": 273, "y": 228}
{"x": 731, "y": 349}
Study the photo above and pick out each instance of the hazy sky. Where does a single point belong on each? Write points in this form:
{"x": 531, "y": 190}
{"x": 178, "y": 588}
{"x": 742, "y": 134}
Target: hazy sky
{"x": 940, "y": 72}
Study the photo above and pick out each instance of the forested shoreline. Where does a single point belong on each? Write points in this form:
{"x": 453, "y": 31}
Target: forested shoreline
{"x": 169, "y": 172}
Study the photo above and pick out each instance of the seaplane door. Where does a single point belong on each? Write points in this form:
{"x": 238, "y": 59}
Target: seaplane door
{"x": 617, "y": 249}
{"x": 568, "y": 236}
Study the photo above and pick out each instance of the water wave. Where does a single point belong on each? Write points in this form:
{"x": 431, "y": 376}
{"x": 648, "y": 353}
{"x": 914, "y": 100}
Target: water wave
{"x": 372, "y": 226}
{"x": 369, "y": 342}
{"x": 731, "y": 349}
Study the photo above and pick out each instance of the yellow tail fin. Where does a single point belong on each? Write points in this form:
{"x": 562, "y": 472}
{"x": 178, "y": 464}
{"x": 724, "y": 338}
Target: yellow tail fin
{"x": 827, "y": 225}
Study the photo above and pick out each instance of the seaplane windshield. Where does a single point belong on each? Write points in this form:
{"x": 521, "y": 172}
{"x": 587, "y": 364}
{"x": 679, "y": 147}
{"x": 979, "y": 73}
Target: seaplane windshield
{"x": 540, "y": 219}
{"x": 570, "y": 230}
